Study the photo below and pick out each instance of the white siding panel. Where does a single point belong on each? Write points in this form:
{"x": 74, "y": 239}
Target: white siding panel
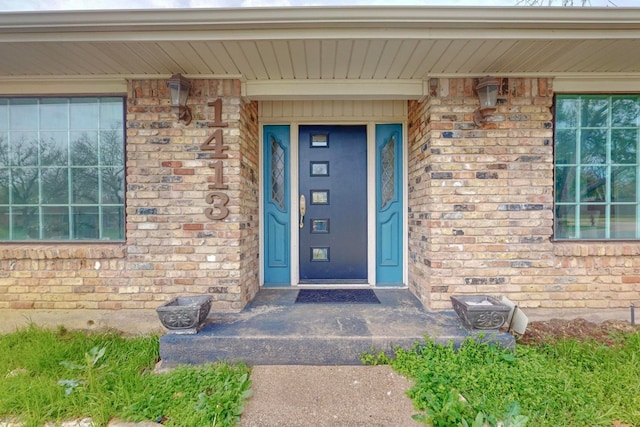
{"x": 219, "y": 50}
{"x": 254, "y": 59}
{"x": 357, "y": 59}
{"x": 239, "y": 59}
{"x": 483, "y": 59}
{"x": 372, "y": 59}
{"x": 312, "y": 54}
{"x": 405, "y": 53}
{"x": 344, "y": 53}
{"x": 332, "y": 111}
{"x": 327, "y": 59}
{"x": 211, "y": 61}
{"x": 298, "y": 57}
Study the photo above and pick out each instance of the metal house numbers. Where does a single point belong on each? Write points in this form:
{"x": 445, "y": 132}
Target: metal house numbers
{"x": 215, "y": 145}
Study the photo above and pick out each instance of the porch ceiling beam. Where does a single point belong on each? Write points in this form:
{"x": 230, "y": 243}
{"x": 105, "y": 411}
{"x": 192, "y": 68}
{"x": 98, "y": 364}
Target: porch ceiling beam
{"x": 333, "y": 89}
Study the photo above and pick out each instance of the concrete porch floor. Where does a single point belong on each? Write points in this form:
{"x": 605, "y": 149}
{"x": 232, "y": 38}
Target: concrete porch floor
{"x": 274, "y": 330}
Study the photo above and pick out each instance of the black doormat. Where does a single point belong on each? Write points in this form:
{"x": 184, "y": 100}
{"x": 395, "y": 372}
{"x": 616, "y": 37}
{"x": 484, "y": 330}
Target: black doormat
{"x": 337, "y": 296}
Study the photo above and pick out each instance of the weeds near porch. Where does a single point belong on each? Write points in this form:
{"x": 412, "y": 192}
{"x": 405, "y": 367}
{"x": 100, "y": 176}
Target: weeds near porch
{"x": 59, "y": 375}
{"x": 566, "y": 383}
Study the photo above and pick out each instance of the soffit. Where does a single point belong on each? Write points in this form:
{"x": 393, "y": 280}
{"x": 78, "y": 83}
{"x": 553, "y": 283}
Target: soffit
{"x": 275, "y": 49}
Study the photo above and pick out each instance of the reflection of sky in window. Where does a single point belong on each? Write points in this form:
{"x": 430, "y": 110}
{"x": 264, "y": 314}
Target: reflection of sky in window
{"x": 4, "y": 114}
{"x": 23, "y": 114}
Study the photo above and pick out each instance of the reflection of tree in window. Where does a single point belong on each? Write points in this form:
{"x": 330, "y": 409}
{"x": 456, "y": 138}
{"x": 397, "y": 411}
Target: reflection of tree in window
{"x": 44, "y": 174}
{"x": 596, "y": 167}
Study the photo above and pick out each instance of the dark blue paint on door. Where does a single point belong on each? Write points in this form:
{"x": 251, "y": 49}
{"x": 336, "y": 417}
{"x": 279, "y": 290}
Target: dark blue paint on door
{"x": 333, "y": 180}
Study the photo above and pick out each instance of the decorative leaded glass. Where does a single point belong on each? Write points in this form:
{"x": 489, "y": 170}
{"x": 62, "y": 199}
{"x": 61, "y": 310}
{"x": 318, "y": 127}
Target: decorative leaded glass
{"x": 388, "y": 172}
{"x": 277, "y": 173}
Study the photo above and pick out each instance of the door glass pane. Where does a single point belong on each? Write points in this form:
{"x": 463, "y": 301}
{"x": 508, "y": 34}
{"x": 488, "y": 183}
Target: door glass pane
{"x": 319, "y": 254}
{"x": 388, "y": 172}
{"x": 277, "y": 173}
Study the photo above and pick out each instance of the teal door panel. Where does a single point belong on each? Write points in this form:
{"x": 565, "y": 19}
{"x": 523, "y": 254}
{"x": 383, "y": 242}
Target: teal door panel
{"x": 333, "y": 181}
{"x": 389, "y": 205}
{"x": 277, "y": 222}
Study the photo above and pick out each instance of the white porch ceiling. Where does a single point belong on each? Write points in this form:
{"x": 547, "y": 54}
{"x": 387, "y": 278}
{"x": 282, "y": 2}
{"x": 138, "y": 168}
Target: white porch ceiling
{"x": 351, "y": 51}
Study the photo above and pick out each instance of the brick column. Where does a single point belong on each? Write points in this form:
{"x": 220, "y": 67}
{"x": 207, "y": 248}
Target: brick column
{"x": 481, "y": 198}
{"x": 173, "y": 247}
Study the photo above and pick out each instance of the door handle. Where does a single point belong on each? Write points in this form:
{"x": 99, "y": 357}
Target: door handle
{"x": 303, "y": 209}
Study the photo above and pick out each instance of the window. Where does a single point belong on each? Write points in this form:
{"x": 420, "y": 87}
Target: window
{"x": 596, "y": 166}
{"x": 62, "y": 169}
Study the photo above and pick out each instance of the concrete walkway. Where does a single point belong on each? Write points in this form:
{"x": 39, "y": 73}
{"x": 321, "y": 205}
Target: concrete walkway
{"x": 344, "y": 396}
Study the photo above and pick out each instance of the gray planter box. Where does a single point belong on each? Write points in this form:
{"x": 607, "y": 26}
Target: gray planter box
{"x": 184, "y": 315}
{"x": 480, "y": 311}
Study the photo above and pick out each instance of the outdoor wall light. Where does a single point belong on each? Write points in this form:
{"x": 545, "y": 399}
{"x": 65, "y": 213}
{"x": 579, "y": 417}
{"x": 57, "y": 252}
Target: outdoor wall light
{"x": 487, "y": 90}
{"x": 179, "y": 91}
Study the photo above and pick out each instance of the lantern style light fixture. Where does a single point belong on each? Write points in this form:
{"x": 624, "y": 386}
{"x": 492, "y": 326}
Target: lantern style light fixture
{"x": 179, "y": 90}
{"x": 487, "y": 90}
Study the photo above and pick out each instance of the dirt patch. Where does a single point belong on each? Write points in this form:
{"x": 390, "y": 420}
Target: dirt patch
{"x": 548, "y": 331}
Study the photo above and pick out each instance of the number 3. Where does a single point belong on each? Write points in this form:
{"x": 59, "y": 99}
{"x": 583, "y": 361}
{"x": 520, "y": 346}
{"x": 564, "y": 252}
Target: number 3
{"x": 221, "y": 206}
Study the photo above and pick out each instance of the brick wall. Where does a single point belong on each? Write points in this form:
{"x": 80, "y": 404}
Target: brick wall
{"x": 481, "y": 206}
{"x": 171, "y": 247}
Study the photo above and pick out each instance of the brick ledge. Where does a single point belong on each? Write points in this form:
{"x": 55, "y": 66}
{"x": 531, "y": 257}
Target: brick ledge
{"x": 36, "y": 251}
{"x": 588, "y": 249}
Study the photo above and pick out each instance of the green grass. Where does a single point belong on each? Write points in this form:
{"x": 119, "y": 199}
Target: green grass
{"x": 568, "y": 383}
{"x": 58, "y": 375}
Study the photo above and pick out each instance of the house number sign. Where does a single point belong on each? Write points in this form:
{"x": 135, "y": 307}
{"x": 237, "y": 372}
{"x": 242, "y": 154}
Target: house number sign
{"x": 215, "y": 146}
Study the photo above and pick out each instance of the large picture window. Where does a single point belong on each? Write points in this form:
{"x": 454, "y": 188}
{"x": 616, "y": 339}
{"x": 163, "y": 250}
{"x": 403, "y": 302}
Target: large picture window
{"x": 596, "y": 167}
{"x": 62, "y": 169}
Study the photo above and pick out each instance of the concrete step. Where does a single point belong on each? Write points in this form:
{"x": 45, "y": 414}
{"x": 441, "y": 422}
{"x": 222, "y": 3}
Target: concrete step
{"x": 274, "y": 330}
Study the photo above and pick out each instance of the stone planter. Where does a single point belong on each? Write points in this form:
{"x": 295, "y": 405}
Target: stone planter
{"x": 480, "y": 311}
{"x": 184, "y": 315}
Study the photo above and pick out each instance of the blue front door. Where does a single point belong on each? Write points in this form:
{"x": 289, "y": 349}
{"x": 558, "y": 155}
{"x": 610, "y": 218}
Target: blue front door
{"x": 333, "y": 204}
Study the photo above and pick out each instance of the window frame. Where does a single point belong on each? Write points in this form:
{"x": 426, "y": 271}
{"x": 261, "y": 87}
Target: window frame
{"x": 72, "y": 207}
{"x": 608, "y": 201}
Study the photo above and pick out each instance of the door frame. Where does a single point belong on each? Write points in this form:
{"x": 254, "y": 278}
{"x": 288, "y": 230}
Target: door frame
{"x": 371, "y": 200}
